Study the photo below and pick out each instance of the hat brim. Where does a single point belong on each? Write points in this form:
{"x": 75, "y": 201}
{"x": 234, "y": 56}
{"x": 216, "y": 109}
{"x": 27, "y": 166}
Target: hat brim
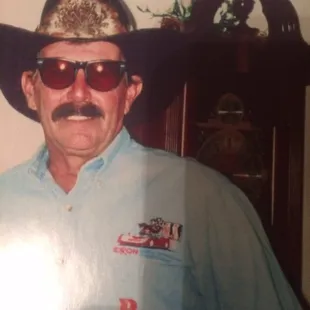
{"x": 157, "y": 55}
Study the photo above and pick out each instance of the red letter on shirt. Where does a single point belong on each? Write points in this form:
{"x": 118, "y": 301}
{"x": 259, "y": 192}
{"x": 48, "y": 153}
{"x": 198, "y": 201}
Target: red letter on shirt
{"x": 128, "y": 304}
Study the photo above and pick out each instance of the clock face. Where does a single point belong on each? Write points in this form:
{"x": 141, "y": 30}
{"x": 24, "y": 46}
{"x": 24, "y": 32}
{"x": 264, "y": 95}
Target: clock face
{"x": 224, "y": 151}
{"x": 228, "y": 151}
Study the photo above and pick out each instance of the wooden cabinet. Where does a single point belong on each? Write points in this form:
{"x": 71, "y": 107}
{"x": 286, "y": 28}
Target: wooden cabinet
{"x": 256, "y": 136}
{"x": 262, "y": 154}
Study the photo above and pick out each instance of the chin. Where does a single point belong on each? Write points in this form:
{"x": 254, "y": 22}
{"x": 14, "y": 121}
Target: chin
{"x": 79, "y": 145}
{"x": 80, "y": 151}
{"x": 81, "y": 141}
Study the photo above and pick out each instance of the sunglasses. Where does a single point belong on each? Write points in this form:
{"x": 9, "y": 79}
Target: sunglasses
{"x": 101, "y": 75}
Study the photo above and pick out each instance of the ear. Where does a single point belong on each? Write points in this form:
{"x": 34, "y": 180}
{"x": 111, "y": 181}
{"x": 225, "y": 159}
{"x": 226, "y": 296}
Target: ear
{"x": 133, "y": 91}
{"x": 27, "y": 81}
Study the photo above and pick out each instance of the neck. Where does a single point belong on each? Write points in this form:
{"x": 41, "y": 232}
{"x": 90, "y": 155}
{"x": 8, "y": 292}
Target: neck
{"x": 65, "y": 169}
{"x": 66, "y": 164}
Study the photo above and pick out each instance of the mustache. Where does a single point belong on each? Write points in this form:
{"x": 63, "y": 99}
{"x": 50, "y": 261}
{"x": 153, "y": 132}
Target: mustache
{"x": 72, "y": 109}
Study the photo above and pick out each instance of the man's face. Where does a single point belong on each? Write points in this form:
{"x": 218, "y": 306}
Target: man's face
{"x": 80, "y": 136}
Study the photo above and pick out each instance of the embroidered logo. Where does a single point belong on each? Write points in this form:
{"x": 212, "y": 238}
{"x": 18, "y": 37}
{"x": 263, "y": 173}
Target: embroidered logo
{"x": 156, "y": 234}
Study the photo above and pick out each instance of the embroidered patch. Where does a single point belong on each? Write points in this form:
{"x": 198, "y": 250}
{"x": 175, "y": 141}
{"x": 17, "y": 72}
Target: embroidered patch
{"x": 122, "y": 250}
{"x": 156, "y": 234}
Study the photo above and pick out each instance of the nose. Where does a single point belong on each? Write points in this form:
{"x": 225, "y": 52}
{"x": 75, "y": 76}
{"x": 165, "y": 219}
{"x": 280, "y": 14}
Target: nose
{"x": 79, "y": 91}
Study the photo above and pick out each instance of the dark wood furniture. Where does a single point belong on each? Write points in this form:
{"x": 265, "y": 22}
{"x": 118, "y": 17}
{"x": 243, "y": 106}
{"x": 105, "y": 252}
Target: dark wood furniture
{"x": 269, "y": 77}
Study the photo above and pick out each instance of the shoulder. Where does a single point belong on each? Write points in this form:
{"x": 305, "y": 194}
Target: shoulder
{"x": 197, "y": 183}
{"x": 183, "y": 169}
{"x": 205, "y": 191}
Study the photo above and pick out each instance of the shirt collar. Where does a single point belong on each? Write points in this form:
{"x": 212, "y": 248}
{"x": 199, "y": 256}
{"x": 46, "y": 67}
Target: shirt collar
{"x": 38, "y": 164}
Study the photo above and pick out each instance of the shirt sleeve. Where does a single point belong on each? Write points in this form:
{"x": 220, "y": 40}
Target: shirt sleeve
{"x": 235, "y": 266}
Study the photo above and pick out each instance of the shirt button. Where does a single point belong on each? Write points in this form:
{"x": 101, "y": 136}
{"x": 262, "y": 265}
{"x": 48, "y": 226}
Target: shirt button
{"x": 69, "y": 208}
{"x": 61, "y": 261}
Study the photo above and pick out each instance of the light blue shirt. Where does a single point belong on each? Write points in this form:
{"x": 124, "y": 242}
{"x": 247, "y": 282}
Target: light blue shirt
{"x": 98, "y": 248}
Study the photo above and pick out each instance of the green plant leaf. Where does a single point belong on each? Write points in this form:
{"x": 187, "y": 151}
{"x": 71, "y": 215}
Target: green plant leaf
{"x": 176, "y": 9}
{"x": 183, "y": 9}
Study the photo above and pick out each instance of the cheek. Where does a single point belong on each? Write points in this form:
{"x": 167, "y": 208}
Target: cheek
{"x": 46, "y": 102}
{"x": 113, "y": 103}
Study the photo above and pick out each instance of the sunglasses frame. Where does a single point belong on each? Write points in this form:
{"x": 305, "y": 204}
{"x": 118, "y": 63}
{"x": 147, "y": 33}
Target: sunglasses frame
{"x": 77, "y": 65}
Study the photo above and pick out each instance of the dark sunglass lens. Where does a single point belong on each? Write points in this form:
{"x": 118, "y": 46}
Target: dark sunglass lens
{"x": 104, "y": 76}
{"x": 57, "y": 73}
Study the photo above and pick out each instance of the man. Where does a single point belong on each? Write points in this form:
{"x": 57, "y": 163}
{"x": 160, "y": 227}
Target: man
{"x": 96, "y": 221}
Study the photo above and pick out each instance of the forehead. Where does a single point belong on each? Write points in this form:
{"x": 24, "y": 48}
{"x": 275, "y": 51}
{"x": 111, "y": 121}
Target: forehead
{"x": 82, "y": 51}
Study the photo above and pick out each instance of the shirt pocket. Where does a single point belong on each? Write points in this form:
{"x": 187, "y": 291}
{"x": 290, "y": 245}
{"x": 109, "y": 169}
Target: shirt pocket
{"x": 165, "y": 280}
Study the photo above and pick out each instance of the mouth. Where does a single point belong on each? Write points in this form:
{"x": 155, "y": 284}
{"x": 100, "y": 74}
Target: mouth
{"x": 79, "y": 118}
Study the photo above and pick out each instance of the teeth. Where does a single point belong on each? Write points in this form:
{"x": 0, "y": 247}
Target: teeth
{"x": 77, "y": 118}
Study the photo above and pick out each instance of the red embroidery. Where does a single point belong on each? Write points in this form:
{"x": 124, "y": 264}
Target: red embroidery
{"x": 128, "y": 304}
{"x": 125, "y": 250}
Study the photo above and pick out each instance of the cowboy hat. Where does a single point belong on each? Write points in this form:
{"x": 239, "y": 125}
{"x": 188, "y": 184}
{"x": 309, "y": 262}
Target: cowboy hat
{"x": 157, "y": 55}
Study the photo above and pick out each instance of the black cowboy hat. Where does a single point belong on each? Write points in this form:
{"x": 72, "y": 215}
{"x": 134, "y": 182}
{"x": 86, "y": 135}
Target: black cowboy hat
{"x": 157, "y": 55}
